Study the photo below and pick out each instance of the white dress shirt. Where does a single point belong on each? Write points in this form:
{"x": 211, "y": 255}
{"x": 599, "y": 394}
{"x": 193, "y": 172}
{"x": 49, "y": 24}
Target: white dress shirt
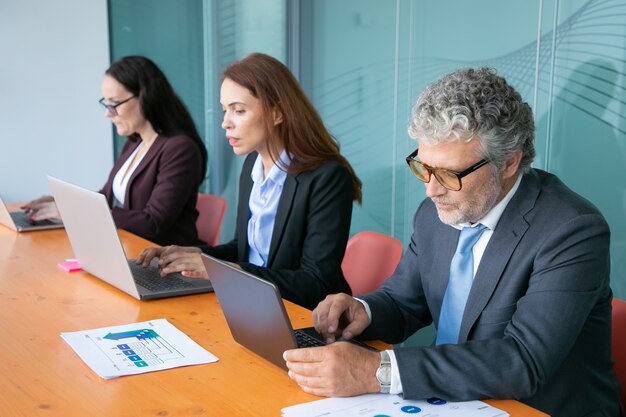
{"x": 120, "y": 181}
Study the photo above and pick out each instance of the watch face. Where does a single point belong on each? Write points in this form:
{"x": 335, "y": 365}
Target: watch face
{"x": 384, "y": 374}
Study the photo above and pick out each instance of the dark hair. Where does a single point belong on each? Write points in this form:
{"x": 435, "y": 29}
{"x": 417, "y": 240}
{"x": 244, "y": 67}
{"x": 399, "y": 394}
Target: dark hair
{"x": 159, "y": 103}
{"x": 302, "y": 133}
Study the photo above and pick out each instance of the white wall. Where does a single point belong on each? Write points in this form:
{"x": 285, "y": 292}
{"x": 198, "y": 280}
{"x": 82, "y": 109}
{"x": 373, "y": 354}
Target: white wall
{"x": 52, "y": 58}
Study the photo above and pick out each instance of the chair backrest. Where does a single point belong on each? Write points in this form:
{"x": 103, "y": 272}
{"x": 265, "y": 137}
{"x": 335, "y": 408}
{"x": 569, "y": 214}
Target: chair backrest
{"x": 370, "y": 259}
{"x": 211, "y": 209}
{"x": 619, "y": 344}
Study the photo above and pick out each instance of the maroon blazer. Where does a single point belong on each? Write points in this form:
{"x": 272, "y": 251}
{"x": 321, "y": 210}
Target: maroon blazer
{"x": 160, "y": 201}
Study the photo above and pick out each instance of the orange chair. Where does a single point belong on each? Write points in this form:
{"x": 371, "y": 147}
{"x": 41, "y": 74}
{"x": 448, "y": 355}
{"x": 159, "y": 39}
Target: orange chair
{"x": 369, "y": 260}
{"x": 211, "y": 209}
{"x": 619, "y": 344}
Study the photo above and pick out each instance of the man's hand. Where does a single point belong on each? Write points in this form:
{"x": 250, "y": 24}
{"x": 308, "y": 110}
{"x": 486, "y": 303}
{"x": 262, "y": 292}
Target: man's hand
{"x": 341, "y": 369}
{"x": 186, "y": 260}
{"x": 340, "y": 315}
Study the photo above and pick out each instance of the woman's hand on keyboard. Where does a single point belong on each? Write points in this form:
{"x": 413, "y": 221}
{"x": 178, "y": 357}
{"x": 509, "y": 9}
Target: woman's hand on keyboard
{"x": 43, "y": 208}
{"x": 183, "y": 259}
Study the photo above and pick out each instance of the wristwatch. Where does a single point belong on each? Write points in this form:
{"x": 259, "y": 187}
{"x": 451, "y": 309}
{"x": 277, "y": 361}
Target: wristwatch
{"x": 383, "y": 373}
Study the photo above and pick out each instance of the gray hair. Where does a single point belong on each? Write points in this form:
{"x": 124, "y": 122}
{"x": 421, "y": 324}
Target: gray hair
{"x": 476, "y": 102}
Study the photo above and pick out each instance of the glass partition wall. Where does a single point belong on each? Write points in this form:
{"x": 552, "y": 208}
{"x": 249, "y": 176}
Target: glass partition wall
{"x": 193, "y": 41}
{"x": 367, "y": 61}
{"x": 363, "y": 63}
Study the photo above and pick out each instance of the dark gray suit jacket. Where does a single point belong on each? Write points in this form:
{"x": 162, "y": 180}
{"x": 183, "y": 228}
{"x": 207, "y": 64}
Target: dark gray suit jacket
{"x": 537, "y": 325}
{"x": 310, "y": 233}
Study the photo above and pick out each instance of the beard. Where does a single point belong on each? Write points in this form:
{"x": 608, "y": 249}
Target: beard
{"x": 474, "y": 207}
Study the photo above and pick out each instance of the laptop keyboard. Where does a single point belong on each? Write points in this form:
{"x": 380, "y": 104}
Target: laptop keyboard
{"x": 150, "y": 279}
{"x": 305, "y": 340}
{"x": 21, "y": 219}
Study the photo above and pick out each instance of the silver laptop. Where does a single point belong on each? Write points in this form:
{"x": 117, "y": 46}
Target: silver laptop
{"x": 18, "y": 221}
{"x": 97, "y": 247}
{"x": 255, "y": 313}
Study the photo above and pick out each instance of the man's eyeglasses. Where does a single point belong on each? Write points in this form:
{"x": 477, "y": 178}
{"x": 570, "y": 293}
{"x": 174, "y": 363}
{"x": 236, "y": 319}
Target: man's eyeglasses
{"x": 446, "y": 177}
{"x": 112, "y": 108}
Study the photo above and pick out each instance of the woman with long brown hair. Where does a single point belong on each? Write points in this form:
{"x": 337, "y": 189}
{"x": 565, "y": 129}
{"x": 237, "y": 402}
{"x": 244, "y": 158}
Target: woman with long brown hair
{"x": 295, "y": 190}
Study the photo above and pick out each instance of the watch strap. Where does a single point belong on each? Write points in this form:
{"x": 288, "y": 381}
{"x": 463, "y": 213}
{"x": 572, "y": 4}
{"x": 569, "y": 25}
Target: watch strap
{"x": 383, "y": 374}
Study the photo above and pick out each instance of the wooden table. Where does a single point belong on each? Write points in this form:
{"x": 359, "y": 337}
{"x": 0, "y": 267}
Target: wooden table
{"x": 40, "y": 375}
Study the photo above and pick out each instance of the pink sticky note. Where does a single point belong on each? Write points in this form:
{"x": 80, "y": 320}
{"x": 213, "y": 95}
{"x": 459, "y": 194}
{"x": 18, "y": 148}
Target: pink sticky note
{"x": 69, "y": 266}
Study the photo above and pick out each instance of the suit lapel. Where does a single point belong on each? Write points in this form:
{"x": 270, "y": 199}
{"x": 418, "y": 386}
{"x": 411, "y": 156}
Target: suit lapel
{"x": 282, "y": 214}
{"x": 128, "y": 150}
{"x": 243, "y": 209}
{"x": 446, "y": 239}
{"x": 509, "y": 231}
{"x": 154, "y": 150}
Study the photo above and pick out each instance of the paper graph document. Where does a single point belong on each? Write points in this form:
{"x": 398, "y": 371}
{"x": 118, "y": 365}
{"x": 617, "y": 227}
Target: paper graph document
{"x": 136, "y": 348}
{"x": 385, "y": 405}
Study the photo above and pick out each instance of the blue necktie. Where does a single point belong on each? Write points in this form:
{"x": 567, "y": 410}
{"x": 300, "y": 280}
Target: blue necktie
{"x": 459, "y": 285}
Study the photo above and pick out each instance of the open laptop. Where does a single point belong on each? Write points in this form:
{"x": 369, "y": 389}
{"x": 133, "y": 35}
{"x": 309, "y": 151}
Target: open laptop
{"x": 97, "y": 247}
{"x": 18, "y": 221}
{"x": 255, "y": 313}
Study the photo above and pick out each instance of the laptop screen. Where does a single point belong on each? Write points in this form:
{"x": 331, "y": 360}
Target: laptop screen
{"x": 253, "y": 309}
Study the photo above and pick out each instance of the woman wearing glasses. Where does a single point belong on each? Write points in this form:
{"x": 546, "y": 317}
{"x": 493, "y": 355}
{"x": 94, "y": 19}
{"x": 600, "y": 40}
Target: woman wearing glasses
{"x": 295, "y": 191}
{"x": 153, "y": 186}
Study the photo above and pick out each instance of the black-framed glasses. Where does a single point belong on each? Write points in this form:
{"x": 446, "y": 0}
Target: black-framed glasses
{"x": 112, "y": 108}
{"x": 446, "y": 177}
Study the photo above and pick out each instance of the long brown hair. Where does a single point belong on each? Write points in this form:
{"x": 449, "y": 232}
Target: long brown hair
{"x": 302, "y": 133}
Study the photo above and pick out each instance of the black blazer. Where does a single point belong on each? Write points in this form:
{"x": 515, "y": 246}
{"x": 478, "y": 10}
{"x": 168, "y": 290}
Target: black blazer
{"x": 310, "y": 233}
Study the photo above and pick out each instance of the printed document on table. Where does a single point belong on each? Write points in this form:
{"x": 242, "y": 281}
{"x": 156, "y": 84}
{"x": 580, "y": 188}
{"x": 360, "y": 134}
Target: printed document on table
{"x": 371, "y": 405}
{"x": 136, "y": 348}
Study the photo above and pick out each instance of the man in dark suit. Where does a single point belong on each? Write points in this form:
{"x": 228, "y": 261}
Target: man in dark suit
{"x": 522, "y": 312}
